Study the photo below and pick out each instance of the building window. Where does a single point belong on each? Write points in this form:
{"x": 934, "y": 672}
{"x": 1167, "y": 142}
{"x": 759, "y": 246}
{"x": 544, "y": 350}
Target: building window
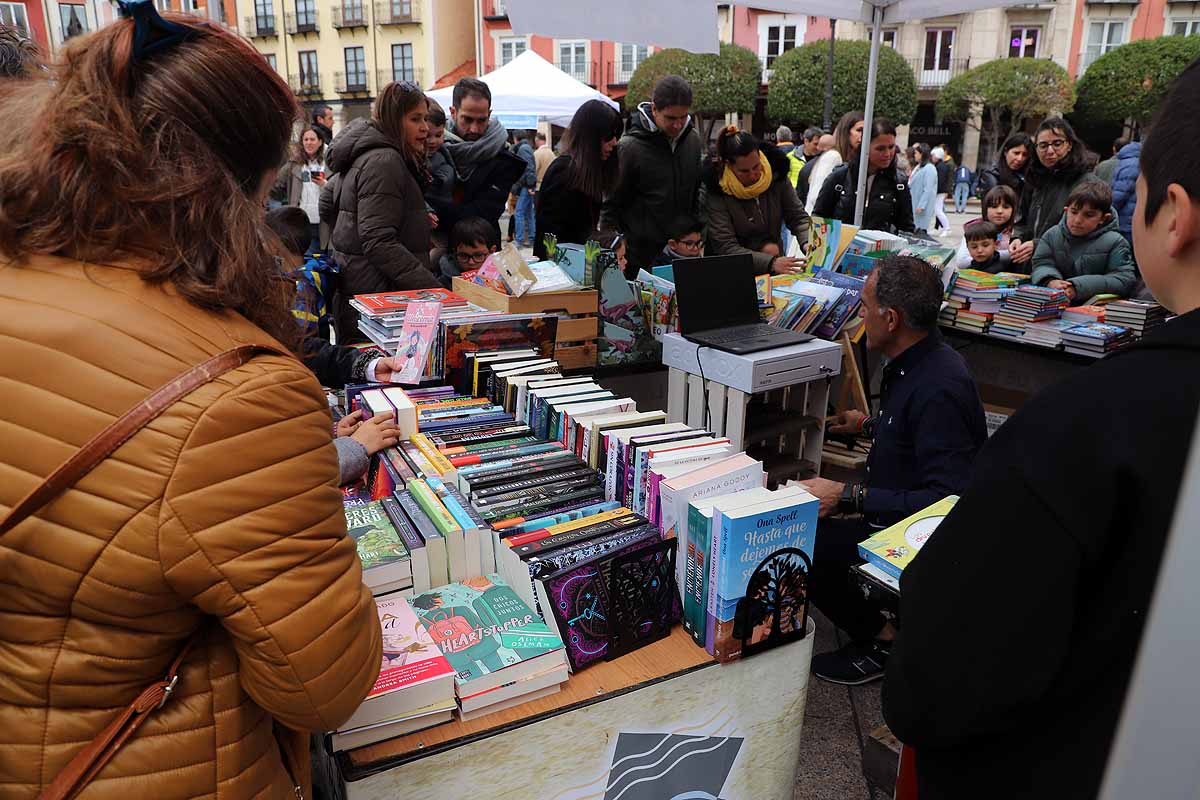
{"x": 630, "y": 58}
{"x": 1185, "y": 27}
{"x": 402, "y": 63}
{"x": 889, "y": 37}
{"x": 1103, "y": 35}
{"x": 310, "y": 77}
{"x": 352, "y": 13}
{"x": 13, "y": 15}
{"x": 162, "y": 5}
{"x": 939, "y": 48}
{"x": 306, "y": 14}
{"x": 572, "y": 59}
{"x": 498, "y": 9}
{"x": 73, "y": 19}
{"x": 271, "y": 61}
{"x": 401, "y": 9}
{"x": 356, "y": 68}
{"x": 780, "y": 39}
{"x": 1023, "y": 42}
{"x": 264, "y": 16}
{"x": 511, "y": 47}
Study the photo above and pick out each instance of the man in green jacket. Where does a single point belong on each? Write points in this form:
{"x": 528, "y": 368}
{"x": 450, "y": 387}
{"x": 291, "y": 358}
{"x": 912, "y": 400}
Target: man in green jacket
{"x": 1085, "y": 254}
{"x": 659, "y": 181}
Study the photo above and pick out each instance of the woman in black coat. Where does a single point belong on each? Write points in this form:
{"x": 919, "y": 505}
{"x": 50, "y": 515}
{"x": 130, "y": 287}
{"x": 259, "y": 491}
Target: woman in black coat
{"x": 889, "y": 205}
{"x": 568, "y": 202}
{"x": 1010, "y": 167}
{"x": 1059, "y": 165}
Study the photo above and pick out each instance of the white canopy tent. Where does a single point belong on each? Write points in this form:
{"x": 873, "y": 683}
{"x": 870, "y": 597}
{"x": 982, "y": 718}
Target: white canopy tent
{"x": 691, "y": 25}
{"x": 529, "y": 88}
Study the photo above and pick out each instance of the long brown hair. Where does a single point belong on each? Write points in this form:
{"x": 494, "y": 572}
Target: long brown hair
{"x": 595, "y": 122}
{"x": 160, "y": 160}
{"x": 391, "y": 107}
{"x": 841, "y": 135}
{"x": 298, "y": 154}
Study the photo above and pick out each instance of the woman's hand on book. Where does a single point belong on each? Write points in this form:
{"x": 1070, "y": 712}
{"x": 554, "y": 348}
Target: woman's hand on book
{"x": 378, "y": 433}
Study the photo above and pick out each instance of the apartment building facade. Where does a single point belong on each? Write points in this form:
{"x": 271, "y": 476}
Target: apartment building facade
{"x": 341, "y": 53}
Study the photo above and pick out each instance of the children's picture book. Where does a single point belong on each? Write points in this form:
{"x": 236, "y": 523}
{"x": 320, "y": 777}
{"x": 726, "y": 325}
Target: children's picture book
{"x": 823, "y": 238}
{"x": 482, "y": 627}
{"x": 893, "y": 548}
{"x": 385, "y": 303}
{"x": 416, "y": 337}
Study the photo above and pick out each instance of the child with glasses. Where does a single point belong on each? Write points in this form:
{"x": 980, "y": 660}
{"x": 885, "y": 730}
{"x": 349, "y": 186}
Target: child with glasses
{"x": 471, "y": 241}
{"x": 687, "y": 241}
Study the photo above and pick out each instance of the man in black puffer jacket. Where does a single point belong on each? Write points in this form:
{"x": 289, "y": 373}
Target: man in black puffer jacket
{"x": 659, "y": 179}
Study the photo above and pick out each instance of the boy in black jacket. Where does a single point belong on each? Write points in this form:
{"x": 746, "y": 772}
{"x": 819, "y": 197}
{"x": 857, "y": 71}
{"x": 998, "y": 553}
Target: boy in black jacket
{"x": 1023, "y": 613}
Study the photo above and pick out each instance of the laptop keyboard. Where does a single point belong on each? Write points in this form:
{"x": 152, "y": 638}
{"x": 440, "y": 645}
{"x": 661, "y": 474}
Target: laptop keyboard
{"x": 736, "y": 334}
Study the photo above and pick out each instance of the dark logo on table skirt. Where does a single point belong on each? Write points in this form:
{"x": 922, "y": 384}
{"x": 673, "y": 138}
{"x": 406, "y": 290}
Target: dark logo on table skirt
{"x": 670, "y": 766}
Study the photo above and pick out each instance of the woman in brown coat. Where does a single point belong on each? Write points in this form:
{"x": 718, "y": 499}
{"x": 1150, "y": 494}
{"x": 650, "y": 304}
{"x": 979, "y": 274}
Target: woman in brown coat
{"x": 381, "y": 235}
{"x": 747, "y": 202}
{"x": 131, "y": 201}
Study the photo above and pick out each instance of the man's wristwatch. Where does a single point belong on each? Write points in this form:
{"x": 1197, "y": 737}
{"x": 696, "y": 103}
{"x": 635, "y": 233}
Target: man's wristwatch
{"x": 851, "y": 502}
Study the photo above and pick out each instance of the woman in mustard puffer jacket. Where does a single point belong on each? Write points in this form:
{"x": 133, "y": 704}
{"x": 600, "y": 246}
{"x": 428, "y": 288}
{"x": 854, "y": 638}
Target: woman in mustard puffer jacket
{"x": 131, "y": 203}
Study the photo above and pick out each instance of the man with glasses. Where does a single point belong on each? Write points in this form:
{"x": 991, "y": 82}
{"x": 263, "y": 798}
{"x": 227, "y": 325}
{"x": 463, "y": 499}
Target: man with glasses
{"x": 486, "y": 168}
{"x": 472, "y": 240}
{"x": 687, "y": 241}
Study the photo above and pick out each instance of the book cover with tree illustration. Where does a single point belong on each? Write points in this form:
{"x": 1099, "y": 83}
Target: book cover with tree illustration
{"x": 374, "y": 535}
{"x": 482, "y": 626}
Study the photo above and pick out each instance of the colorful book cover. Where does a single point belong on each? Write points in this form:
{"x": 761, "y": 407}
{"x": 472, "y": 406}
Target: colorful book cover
{"x": 754, "y": 560}
{"x": 383, "y": 303}
{"x": 893, "y": 548}
{"x": 410, "y": 656}
{"x": 416, "y": 337}
{"x": 537, "y": 332}
{"x": 845, "y": 307}
{"x": 482, "y": 626}
{"x": 823, "y": 237}
{"x": 579, "y": 602}
{"x": 374, "y": 536}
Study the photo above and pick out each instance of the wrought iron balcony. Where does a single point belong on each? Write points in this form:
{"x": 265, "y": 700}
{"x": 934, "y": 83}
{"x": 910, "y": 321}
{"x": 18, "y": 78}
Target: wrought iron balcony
{"x": 395, "y": 12}
{"x": 350, "y": 15}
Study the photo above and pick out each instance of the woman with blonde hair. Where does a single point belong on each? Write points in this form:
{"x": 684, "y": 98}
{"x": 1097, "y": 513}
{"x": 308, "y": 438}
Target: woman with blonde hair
{"x": 179, "y": 601}
{"x": 382, "y": 232}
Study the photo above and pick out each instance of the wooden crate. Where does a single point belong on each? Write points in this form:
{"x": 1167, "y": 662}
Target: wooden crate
{"x": 578, "y": 323}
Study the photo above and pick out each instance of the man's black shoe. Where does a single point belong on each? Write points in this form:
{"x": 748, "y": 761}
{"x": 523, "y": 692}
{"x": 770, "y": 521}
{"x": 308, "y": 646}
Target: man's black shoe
{"x": 853, "y": 665}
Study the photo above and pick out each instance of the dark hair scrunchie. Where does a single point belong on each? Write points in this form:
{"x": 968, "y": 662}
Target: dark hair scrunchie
{"x": 151, "y": 33}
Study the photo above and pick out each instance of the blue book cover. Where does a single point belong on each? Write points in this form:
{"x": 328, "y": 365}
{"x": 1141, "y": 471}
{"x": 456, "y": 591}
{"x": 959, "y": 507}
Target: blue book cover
{"x": 747, "y": 555}
{"x": 846, "y": 306}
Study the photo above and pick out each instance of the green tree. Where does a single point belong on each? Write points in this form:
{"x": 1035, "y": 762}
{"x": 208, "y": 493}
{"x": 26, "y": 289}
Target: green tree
{"x": 1128, "y": 82}
{"x": 722, "y": 83}
{"x": 1009, "y": 91}
{"x": 796, "y": 91}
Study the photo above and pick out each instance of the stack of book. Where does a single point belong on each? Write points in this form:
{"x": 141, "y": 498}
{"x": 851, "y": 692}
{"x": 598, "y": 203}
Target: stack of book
{"x": 1139, "y": 316}
{"x": 502, "y": 653}
{"x": 1082, "y": 315}
{"x": 977, "y": 297}
{"x": 1095, "y": 339}
{"x": 892, "y": 549}
{"x": 415, "y": 687}
{"x": 1047, "y": 333}
{"x": 461, "y": 329}
{"x": 385, "y": 551}
{"x": 1024, "y": 305}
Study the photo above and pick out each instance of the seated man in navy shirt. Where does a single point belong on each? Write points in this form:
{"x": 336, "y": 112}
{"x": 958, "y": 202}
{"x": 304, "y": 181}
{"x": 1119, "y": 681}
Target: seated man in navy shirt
{"x": 929, "y": 428}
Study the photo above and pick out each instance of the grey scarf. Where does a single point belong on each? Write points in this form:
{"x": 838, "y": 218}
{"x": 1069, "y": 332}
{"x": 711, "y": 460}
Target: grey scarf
{"x": 469, "y": 155}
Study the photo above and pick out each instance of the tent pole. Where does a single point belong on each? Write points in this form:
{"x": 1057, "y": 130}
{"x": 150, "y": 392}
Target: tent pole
{"x": 864, "y": 150}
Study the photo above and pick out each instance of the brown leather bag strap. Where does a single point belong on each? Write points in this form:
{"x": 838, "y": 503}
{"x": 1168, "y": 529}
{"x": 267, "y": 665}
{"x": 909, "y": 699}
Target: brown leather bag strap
{"x": 89, "y": 761}
{"x": 105, "y": 443}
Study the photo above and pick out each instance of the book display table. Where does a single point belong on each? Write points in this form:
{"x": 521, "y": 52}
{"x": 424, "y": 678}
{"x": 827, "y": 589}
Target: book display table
{"x": 661, "y": 722}
{"x": 1016, "y": 367}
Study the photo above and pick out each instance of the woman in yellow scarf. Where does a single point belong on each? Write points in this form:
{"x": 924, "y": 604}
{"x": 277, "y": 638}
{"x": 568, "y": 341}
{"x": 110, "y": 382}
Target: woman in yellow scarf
{"x": 748, "y": 200}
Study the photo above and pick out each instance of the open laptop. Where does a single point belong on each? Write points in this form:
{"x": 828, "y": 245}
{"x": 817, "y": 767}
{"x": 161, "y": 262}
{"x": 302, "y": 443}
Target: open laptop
{"x": 718, "y": 306}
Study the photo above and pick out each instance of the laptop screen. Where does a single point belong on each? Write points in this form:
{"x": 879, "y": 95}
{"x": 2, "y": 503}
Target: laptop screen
{"x": 715, "y": 292}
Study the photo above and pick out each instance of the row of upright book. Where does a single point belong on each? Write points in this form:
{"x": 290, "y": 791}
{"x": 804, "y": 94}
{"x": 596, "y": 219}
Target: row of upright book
{"x": 822, "y": 303}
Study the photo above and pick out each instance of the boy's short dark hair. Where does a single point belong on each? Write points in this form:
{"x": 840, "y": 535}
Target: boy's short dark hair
{"x": 1095, "y": 194}
{"x": 436, "y": 116}
{"x": 467, "y": 87}
{"x": 684, "y": 224}
{"x": 671, "y": 90}
{"x": 473, "y": 230}
{"x": 1162, "y": 161}
{"x": 291, "y": 225}
{"x": 980, "y": 229}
